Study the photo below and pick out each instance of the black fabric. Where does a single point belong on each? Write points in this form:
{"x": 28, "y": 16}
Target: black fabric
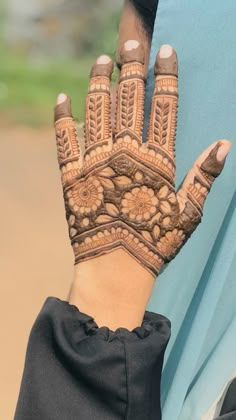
{"x": 228, "y": 410}
{"x": 76, "y": 370}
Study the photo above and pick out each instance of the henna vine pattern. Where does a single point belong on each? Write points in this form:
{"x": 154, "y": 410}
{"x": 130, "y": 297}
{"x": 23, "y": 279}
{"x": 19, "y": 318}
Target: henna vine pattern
{"x": 120, "y": 193}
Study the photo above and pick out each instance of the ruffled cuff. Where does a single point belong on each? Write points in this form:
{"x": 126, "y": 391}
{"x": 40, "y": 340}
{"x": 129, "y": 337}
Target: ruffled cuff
{"x": 151, "y": 323}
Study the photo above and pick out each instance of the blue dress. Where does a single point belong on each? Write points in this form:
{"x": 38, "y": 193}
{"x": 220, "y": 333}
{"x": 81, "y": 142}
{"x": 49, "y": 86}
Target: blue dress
{"x": 197, "y": 290}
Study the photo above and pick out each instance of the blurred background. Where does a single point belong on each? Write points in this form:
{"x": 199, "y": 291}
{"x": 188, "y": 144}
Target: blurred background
{"x": 46, "y": 47}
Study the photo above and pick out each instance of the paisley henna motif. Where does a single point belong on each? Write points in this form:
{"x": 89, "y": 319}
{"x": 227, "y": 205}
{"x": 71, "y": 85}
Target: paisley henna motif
{"x": 120, "y": 193}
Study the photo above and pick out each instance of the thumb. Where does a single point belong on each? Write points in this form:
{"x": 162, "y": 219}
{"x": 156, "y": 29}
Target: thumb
{"x": 198, "y": 182}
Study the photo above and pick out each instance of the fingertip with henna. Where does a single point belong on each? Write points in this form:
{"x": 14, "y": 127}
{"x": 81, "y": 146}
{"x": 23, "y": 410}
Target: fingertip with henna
{"x": 215, "y": 161}
{"x": 132, "y": 51}
{"x": 63, "y": 107}
{"x": 225, "y": 146}
{"x": 103, "y": 67}
{"x": 166, "y": 61}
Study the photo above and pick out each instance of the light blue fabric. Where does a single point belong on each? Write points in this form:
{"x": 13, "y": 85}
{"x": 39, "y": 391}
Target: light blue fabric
{"x": 197, "y": 290}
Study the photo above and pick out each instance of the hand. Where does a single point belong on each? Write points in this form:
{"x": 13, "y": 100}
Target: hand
{"x": 120, "y": 192}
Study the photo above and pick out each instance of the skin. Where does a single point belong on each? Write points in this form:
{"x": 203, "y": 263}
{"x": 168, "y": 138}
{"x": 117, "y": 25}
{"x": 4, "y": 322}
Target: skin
{"x": 114, "y": 289}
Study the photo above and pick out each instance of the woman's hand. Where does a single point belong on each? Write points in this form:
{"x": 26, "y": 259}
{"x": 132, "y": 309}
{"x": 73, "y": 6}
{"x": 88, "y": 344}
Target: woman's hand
{"x": 120, "y": 192}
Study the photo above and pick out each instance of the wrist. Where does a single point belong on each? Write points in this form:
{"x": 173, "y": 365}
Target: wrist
{"x": 113, "y": 288}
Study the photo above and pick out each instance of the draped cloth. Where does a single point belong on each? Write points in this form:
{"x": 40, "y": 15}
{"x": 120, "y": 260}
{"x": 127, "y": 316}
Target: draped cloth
{"x": 197, "y": 290}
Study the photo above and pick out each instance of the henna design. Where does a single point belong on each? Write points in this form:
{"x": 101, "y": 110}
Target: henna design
{"x": 120, "y": 193}
{"x": 116, "y": 200}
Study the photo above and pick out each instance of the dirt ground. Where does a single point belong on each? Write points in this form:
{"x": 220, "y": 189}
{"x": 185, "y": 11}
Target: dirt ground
{"x": 36, "y": 257}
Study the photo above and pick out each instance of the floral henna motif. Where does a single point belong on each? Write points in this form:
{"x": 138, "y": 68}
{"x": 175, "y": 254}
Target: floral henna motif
{"x": 85, "y": 197}
{"x": 120, "y": 192}
{"x": 140, "y": 203}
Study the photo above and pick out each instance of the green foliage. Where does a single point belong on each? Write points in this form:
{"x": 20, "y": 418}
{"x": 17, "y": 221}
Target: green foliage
{"x": 29, "y": 87}
{"x": 105, "y": 43}
{"x": 28, "y": 90}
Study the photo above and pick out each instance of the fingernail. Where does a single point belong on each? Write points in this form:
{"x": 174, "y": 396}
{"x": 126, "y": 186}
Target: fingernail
{"x": 223, "y": 151}
{"x": 130, "y": 45}
{"x": 61, "y": 98}
{"x": 165, "y": 51}
{"x": 103, "y": 59}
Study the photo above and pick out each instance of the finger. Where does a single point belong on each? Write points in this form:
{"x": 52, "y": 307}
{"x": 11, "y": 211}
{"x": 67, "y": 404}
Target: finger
{"x": 197, "y": 184}
{"x": 130, "y": 106}
{"x": 163, "y": 118}
{"x": 68, "y": 149}
{"x": 98, "y": 105}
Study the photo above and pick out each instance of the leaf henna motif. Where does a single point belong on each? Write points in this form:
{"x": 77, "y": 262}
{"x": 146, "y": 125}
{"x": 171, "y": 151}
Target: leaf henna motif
{"x": 107, "y": 172}
{"x": 112, "y": 209}
{"x": 128, "y": 95}
{"x": 64, "y": 150}
{"x": 107, "y": 183}
{"x": 161, "y": 122}
{"x": 156, "y": 232}
{"x": 122, "y": 180}
{"x": 95, "y": 118}
{"x": 104, "y": 218}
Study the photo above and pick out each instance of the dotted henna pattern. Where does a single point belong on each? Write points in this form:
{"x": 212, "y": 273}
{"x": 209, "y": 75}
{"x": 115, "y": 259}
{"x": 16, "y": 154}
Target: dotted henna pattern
{"x": 120, "y": 193}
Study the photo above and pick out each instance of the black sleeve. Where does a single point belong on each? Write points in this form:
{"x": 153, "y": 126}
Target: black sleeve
{"x": 77, "y": 370}
{"x": 228, "y": 410}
